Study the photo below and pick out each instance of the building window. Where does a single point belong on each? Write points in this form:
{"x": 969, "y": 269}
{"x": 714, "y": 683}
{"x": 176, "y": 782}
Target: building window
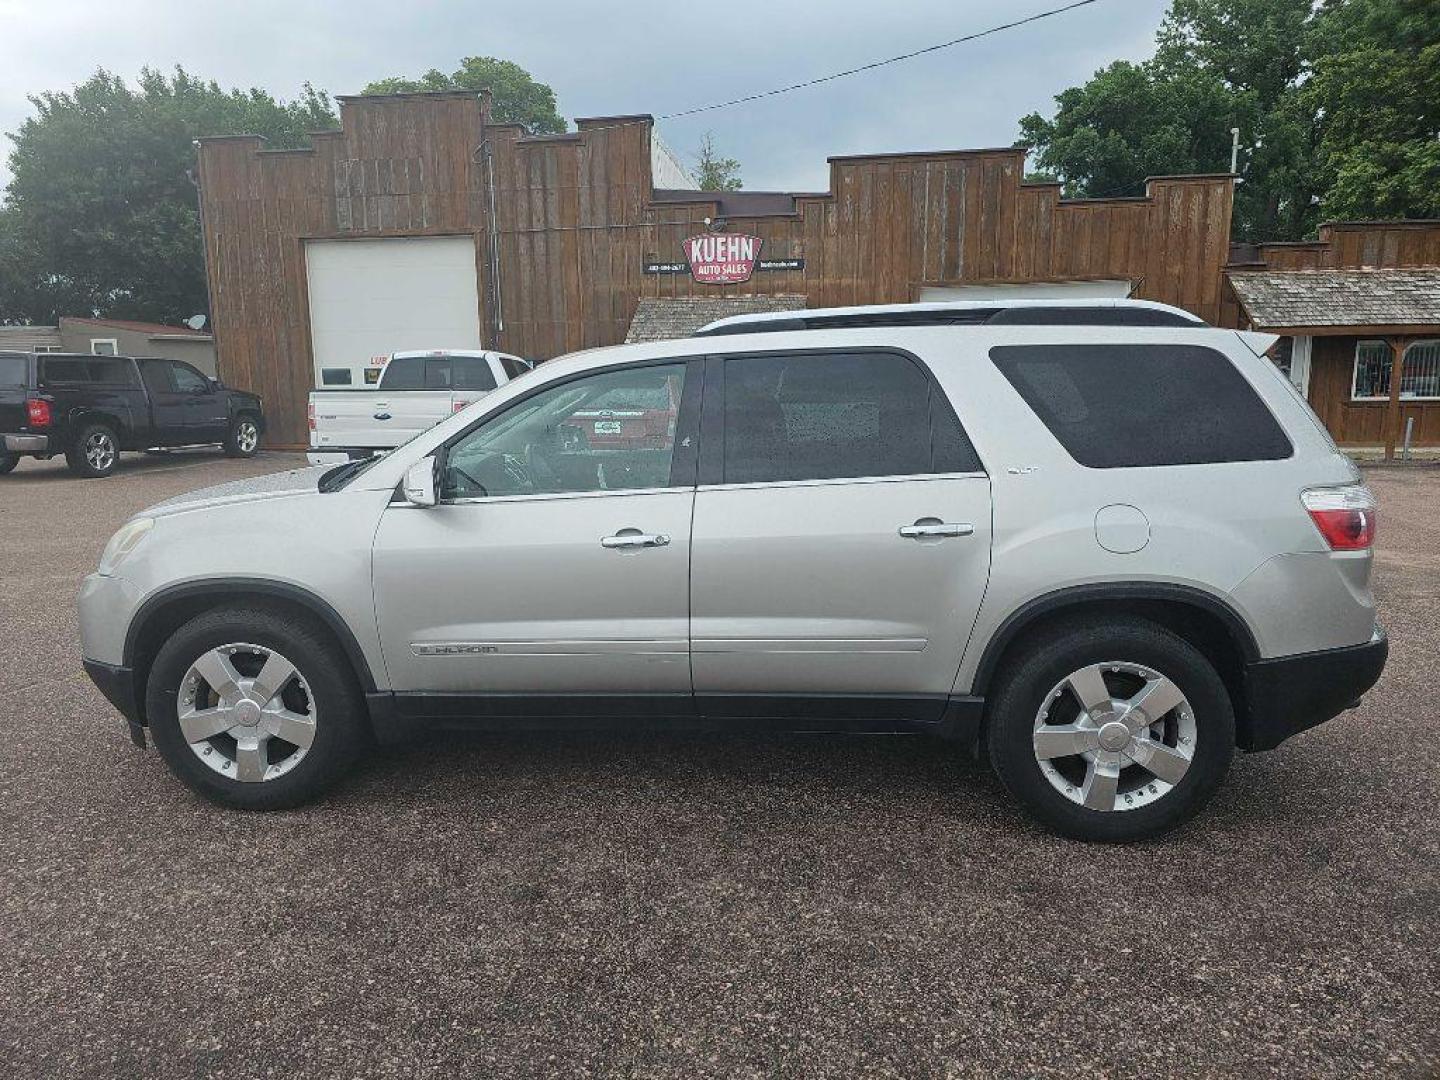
{"x": 1420, "y": 380}
{"x": 104, "y": 346}
{"x": 335, "y": 376}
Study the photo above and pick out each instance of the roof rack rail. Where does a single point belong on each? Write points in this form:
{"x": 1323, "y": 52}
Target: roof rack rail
{"x": 960, "y": 313}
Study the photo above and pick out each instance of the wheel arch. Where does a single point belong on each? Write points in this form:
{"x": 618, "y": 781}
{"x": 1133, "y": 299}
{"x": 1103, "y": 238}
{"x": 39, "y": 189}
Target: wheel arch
{"x": 167, "y": 610}
{"x": 1202, "y": 619}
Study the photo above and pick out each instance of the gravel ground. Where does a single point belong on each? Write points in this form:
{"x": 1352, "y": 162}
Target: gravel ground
{"x": 643, "y": 906}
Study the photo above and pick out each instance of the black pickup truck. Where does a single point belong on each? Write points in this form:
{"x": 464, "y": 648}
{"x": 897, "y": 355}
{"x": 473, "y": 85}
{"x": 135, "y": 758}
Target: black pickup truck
{"x": 90, "y": 408}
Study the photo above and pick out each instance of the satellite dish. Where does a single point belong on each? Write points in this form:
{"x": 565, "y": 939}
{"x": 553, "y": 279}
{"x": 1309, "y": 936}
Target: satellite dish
{"x": 196, "y": 322}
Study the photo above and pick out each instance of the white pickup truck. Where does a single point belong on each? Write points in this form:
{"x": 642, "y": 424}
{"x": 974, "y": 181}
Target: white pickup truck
{"x": 415, "y": 392}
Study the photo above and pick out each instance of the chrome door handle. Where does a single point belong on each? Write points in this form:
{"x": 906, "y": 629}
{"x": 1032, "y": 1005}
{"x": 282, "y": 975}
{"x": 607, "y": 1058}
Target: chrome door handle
{"x": 937, "y": 528}
{"x": 629, "y": 539}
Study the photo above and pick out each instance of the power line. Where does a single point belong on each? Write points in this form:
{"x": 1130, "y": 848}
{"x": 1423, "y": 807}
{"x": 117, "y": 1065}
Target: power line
{"x": 878, "y": 63}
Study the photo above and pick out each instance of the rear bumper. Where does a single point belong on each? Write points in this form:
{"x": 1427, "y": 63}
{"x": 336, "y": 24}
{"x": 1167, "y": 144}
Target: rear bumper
{"x": 25, "y": 444}
{"x": 1290, "y": 694}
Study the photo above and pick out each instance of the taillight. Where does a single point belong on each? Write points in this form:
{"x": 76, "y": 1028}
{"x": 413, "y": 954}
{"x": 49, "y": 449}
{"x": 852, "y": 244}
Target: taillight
{"x": 37, "y": 412}
{"x": 310, "y": 414}
{"x": 1345, "y": 516}
{"x": 457, "y": 406}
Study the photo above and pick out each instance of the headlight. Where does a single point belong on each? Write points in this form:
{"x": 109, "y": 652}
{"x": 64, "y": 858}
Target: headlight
{"x": 125, "y": 540}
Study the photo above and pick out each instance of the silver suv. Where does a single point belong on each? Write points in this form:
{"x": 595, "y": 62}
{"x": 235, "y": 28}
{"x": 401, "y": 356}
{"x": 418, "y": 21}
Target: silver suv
{"x": 1104, "y": 541}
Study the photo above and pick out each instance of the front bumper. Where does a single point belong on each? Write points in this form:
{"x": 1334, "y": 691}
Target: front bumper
{"x": 1290, "y": 694}
{"x": 117, "y": 683}
{"x": 26, "y": 444}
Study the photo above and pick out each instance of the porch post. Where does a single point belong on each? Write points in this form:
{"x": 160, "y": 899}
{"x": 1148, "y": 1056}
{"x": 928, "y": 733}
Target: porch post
{"x": 1398, "y": 346}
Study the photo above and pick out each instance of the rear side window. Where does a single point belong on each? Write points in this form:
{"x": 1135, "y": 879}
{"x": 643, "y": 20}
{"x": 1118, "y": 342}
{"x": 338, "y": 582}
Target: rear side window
{"x": 13, "y": 369}
{"x": 514, "y": 366}
{"x": 87, "y": 369}
{"x": 1122, "y": 406}
{"x": 834, "y": 415}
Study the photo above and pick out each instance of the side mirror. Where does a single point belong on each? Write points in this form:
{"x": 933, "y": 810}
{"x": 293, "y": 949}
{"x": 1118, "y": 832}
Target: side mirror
{"x": 216, "y": 384}
{"x": 419, "y": 485}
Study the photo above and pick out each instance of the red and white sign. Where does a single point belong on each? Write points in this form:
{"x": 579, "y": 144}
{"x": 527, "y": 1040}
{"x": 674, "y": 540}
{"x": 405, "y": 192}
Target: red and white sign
{"x": 722, "y": 258}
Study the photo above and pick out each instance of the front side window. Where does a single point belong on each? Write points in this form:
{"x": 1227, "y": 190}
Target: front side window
{"x": 822, "y": 416}
{"x": 568, "y": 439}
{"x": 1124, "y": 406}
{"x": 1420, "y": 378}
{"x": 187, "y": 379}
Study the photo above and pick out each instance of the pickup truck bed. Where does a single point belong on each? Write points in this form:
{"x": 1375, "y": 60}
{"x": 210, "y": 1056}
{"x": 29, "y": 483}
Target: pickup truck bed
{"x": 416, "y": 391}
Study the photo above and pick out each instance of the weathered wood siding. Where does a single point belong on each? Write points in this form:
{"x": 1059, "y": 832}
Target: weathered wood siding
{"x": 576, "y": 219}
{"x": 1361, "y": 423}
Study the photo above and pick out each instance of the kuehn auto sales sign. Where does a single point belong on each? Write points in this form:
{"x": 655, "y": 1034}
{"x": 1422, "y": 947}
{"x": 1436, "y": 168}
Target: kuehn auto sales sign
{"x": 722, "y": 258}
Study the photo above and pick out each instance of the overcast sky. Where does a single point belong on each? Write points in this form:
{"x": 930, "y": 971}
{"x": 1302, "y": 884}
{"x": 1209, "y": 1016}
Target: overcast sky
{"x": 609, "y": 58}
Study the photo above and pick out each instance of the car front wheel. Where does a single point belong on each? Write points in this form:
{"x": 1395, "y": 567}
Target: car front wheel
{"x": 1111, "y": 729}
{"x": 255, "y": 708}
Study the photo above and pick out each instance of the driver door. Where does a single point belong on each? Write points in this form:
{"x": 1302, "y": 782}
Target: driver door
{"x": 554, "y": 572}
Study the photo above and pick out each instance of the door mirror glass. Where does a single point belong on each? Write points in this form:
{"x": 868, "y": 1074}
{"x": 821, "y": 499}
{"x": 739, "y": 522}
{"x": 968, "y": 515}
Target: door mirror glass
{"x": 419, "y": 485}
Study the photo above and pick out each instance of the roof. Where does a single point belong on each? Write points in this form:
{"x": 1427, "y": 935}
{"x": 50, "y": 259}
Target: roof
{"x": 737, "y": 203}
{"x": 659, "y": 319}
{"x": 29, "y": 338}
{"x": 1082, "y": 312}
{"x": 1338, "y": 299}
{"x": 149, "y": 328}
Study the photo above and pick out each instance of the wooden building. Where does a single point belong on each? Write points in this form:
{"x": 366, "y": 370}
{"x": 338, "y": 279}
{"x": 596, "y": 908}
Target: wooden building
{"x": 420, "y": 217}
{"x": 1359, "y": 309}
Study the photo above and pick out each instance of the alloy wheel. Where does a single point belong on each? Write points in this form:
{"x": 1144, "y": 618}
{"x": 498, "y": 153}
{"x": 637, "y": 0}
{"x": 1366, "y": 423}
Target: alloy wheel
{"x": 100, "y": 451}
{"x": 1115, "y": 736}
{"x": 247, "y": 436}
{"x": 247, "y": 712}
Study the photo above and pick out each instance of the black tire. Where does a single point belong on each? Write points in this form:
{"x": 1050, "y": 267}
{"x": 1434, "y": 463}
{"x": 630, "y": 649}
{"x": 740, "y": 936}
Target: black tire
{"x": 8, "y": 463}
{"x": 243, "y": 438}
{"x": 77, "y": 455}
{"x": 341, "y": 729}
{"x": 1069, "y": 647}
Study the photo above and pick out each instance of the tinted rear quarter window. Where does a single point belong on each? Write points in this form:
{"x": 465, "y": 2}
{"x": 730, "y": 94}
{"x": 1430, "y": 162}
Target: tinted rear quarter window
{"x": 100, "y": 370}
{"x": 1123, "y": 406}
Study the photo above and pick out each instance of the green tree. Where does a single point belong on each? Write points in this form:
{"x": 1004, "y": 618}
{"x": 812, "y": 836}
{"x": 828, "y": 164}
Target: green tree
{"x": 1338, "y": 106}
{"x": 1375, "y": 91}
{"x": 714, "y": 172}
{"x": 516, "y": 98}
{"x": 101, "y": 215}
{"x": 1219, "y": 64}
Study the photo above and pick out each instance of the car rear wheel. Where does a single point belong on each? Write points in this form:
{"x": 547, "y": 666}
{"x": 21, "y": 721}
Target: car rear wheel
{"x": 8, "y": 463}
{"x": 244, "y": 437}
{"x": 94, "y": 452}
{"x": 1112, "y": 730}
{"x": 255, "y": 709}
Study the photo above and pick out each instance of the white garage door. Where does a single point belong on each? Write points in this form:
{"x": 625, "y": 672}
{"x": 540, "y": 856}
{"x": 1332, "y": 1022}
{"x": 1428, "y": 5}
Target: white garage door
{"x": 370, "y": 298}
{"x": 1037, "y": 290}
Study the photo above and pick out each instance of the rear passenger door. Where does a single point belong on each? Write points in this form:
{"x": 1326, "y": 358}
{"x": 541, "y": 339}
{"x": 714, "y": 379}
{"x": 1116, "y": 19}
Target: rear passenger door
{"x": 168, "y": 407}
{"x": 841, "y": 539}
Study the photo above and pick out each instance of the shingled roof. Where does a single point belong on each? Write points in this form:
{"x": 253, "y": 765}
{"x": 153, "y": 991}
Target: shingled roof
{"x": 1319, "y": 299}
{"x": 658, "y": 319}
